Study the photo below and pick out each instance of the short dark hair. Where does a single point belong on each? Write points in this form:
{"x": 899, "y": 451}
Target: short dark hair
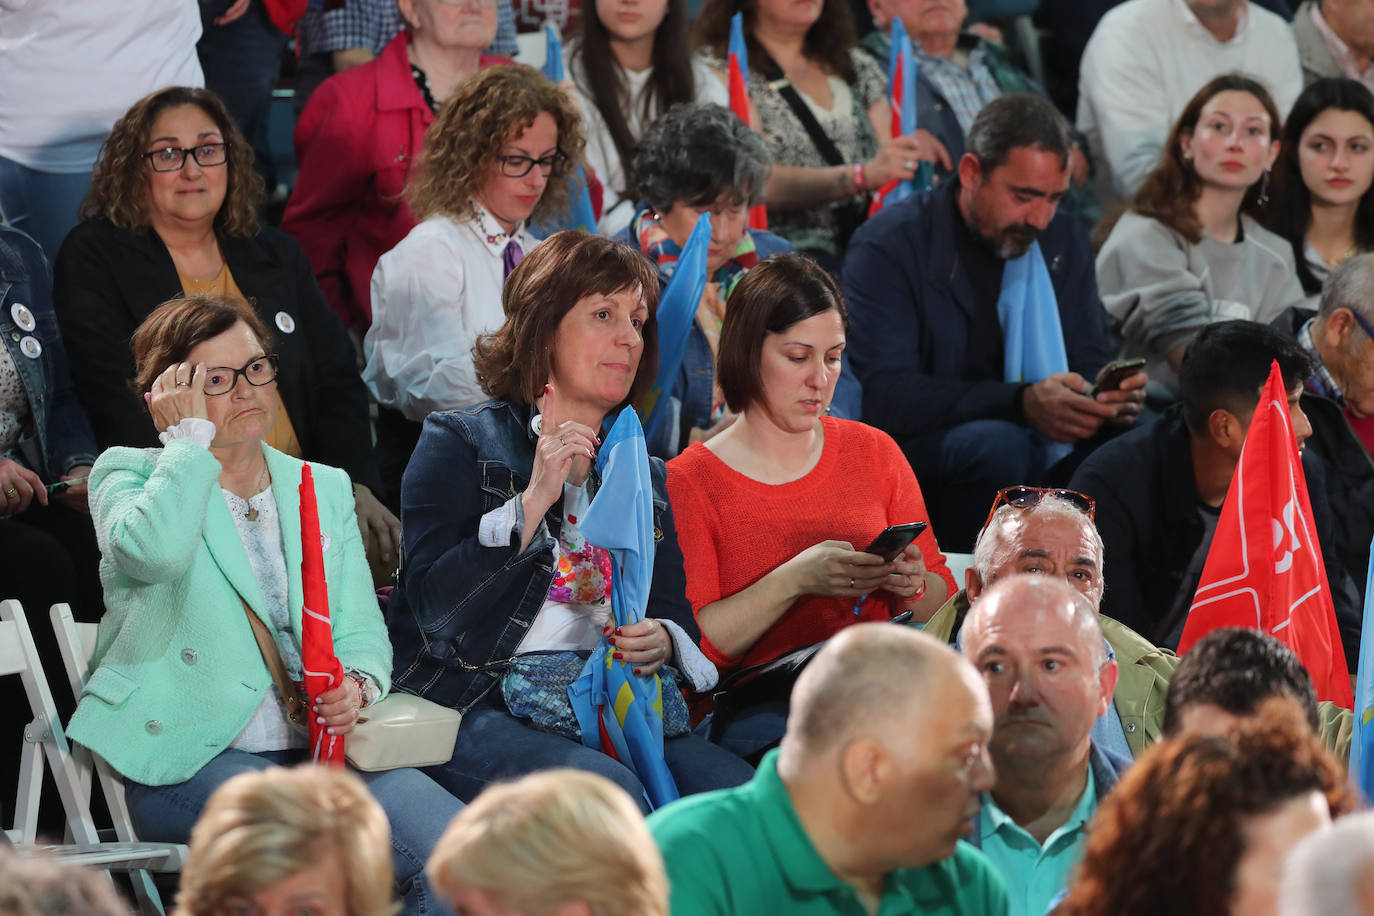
{"x": 1020, "y": 119}
{"x": 1237, "y": 669}
{"x": 769, "y": 299}
{"x": 1226, "y": 365}
{"x": 514, "y": 362}
{"x": 173, "y": 329}
{"x": 693, "y": 154}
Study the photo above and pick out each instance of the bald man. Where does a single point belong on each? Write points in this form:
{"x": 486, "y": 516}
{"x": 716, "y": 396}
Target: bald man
{"x": 1038, "y": 644}
{"x": 861, "y": 808}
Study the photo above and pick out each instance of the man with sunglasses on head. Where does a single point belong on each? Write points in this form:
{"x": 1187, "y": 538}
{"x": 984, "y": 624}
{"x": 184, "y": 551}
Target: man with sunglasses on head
{"x": 1160, "y": 489}
{"x": 1051, "y": 532}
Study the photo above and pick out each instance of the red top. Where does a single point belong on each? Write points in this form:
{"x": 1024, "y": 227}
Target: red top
{"x": 733, "y": 530}
{"x": 1364, "y": 428}
{"x": 355, "y": 142}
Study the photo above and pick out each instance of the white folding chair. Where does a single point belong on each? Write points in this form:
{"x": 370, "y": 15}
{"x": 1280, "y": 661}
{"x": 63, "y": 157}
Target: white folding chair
{"x": 45, "y": 741}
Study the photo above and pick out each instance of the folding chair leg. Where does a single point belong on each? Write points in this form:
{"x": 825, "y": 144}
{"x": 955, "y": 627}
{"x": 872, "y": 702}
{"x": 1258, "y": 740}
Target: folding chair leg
{"x": 145, "y": 892}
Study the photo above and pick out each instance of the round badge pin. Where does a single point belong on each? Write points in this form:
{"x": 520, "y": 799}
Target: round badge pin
{"x": 30, "y": 347}
{"x": 22, "y": 316}
{"x": 285, "y": 322}
{"x": 324, "y": 540}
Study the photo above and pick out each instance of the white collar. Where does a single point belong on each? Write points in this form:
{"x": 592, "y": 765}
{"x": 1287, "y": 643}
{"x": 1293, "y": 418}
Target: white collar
{"x": 491, "y": 233}
{"x": 1190, "y": 18}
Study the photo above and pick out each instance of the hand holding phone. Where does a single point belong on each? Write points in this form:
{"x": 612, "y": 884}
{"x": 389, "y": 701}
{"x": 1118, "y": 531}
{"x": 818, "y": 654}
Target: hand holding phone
{"x": 1114, "y": 373}
{"x": 890, "y": 543}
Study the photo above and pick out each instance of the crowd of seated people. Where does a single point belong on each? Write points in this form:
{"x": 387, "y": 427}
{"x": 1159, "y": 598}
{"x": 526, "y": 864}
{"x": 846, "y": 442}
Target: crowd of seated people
{"x": 927, "y": 476}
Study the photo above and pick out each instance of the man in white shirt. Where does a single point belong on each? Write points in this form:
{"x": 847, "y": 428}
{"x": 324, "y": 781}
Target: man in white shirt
{"x": 1147, "y": 58}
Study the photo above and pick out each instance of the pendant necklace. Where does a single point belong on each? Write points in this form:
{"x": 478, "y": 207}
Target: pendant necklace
{"x": 252, "y": 513}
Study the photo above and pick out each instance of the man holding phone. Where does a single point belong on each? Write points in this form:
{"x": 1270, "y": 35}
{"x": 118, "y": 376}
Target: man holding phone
{"x": 925, "y": 284}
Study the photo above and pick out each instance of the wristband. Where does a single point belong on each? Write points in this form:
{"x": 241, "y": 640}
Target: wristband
{"x": 860, "y": 184}
{"x": 920, "y": 590}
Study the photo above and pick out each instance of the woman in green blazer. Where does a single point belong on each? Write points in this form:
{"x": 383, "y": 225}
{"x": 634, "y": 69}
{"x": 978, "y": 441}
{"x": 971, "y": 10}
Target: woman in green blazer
{"x": 193, "y": 537}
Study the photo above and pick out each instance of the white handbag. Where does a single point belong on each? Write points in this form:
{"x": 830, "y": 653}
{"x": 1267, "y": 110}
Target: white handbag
{"x": 402, "y": 730}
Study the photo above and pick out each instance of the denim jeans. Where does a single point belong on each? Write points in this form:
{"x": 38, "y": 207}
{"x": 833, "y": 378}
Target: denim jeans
{"x": 494, "y": 745}
{"x": 43, "y": 204}
{"x": 417, "y": 809}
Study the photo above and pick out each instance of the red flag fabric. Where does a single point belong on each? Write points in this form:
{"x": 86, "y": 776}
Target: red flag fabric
{"x": 322, "y": 667}
{"x": 1264, "y": 569}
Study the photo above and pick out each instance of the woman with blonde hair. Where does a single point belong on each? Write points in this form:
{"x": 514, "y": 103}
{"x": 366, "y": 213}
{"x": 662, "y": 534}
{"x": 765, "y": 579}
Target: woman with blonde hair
{"x": 497, "y": 156}
{"x": 305, "y": 840}
{"x": 563, "y": 842}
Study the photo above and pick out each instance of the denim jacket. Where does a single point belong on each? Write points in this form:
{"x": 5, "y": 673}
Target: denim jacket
{"x": 57, "y": 435}
{"x": 460, "y": 609}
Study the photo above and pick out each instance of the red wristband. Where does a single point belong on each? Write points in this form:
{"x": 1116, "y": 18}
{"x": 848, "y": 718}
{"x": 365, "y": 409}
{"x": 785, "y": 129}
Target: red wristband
{"x": 860, "y": 183}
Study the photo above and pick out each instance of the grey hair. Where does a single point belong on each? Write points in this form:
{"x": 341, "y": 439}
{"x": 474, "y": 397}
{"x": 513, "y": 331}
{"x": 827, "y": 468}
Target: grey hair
{"x": 1021, "y": 119}
{"x": 1024, "y": 591}
{"x": 990, "y": 538}
{"x": 694, "y": 153}
{"x": 1349, "y": 286}
{"x": 1324, "y": 873}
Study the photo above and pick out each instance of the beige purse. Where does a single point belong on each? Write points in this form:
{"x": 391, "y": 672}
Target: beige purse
{"x": 401, "y": 730}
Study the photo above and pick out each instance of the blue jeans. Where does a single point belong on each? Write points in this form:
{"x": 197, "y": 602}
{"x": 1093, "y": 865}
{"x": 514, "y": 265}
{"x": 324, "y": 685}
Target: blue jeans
{"x": 43, "y": 204}
{"x": 417, "y": 809}
{"x": 494, "y": 745}
{"x": 241, "y": 61}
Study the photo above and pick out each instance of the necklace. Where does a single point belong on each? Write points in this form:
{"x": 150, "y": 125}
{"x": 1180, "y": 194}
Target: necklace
{"x": 251, "y": 514}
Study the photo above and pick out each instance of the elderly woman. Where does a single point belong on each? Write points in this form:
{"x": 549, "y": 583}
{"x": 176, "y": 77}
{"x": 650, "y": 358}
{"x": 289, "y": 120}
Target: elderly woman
{"x": 173, "y": 211}
{"x": 309, "y": 840}
{"x": 562, "y": 841}
{"x": 822, "y": 489}
{"x": 359, "y": 135}
{"x": 702, "y": 159}
{"x": 497, "y": 156}
{"x": 200, "y": 544}
{"x": 500, "y": 597}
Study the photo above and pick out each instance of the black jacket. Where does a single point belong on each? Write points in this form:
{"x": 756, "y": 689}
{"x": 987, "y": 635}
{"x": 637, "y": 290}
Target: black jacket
{"x": 1147, "y": 515}
{"x": 107, "y": 280}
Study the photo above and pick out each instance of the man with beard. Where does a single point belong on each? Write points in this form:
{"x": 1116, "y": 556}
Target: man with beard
{"x": 1038, "y": 644}
{"x": 924, "y": 284}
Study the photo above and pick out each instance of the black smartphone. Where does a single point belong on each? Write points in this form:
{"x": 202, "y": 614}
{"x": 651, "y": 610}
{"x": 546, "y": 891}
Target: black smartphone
{"x": 1117, "y": 372}
{"x": 894, "y": 539}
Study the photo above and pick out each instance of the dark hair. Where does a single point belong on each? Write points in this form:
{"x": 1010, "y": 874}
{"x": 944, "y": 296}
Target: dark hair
{"x": 514, "y": 362}
{"x": 693, "y": 154}
{"x": 173, "y": 329}
{"x": 1291, "y": 212}
{"x": 1170, "y": 191}
{"x": 670, "y": 83}
{"x": 1237, "y": 669}
{"x": 1021, "y": 119}
{"x": 828, "y": 41}
{"x": 769, "y": 299}
{"x": 1168, "y": 839}
{"x": 1228, "y": 362}
{"x": 119, "y": 184}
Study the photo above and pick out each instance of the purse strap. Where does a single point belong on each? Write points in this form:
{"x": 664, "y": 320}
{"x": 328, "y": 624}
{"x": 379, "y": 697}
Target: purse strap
{"x": 769, "y": 69}
{"x": 271, "y": 655}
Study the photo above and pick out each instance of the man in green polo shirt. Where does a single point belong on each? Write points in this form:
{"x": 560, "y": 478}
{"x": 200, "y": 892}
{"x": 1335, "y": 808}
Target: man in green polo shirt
{"x": 1038, "y": 644}
{"x": 860, "y": 809}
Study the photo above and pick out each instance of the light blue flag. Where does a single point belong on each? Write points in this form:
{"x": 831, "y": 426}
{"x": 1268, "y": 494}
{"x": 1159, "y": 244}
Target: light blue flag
{"x": 901, "y": 74}
{"x": 1034, "y": 339}
{"x": 1362, "y": 740}
{"x": 579, "y": 213}
{"x": 677, "y": 309}
{"x": 621, "y": 713}
{"x": 553, "y": 54}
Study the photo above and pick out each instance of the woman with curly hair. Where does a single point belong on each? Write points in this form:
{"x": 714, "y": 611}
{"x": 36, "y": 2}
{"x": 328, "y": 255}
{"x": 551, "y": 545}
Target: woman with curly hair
{"x": 173, "y": 211}
{"x": 1201, "y": 824}
{"x": 497, "y": 156}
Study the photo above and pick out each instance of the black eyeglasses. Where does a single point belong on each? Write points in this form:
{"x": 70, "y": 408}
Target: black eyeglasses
{"x": 1362, "y": 323}
{"x": 173, "y": 158}
{"x": 1029, "y": 497}
{"x": 222, "y": 379}
{"x": 519, "y": 166}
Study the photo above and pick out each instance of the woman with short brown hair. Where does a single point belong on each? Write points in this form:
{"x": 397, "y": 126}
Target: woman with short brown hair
{"x": 501, "y": 598}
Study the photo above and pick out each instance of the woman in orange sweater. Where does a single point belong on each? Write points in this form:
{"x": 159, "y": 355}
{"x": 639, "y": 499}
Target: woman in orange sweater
{"x": 774, "y": 512}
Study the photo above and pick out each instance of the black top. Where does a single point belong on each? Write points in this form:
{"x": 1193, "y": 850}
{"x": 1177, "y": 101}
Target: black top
{"x": 107, "y": 280}
{"x": 985, "y": 355}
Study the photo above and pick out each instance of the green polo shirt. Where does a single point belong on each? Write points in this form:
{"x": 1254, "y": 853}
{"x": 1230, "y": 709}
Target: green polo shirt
{"x": 743, "y": 851}
{"x": 1035, "y": 874}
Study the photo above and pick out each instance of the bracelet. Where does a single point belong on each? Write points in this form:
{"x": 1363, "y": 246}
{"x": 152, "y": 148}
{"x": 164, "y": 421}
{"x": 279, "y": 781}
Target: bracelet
{"x": 920, "y": 591}
{"x": 860, "y": 183}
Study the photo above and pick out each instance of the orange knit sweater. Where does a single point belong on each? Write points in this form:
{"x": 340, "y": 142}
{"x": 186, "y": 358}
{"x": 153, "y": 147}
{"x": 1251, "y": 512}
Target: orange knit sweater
{"x": 733, "y": 530}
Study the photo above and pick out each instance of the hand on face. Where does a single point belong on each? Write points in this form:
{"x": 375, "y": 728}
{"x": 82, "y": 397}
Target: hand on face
{"x": 178, "y": 393}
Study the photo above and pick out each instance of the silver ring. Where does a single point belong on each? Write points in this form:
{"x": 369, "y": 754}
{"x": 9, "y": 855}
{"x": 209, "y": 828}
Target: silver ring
{"x": 183, "y": 384}
{"x": 851, "y": 581}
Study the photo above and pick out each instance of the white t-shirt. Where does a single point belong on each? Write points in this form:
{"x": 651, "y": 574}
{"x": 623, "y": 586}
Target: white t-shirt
{"x": 70, "y": 68}
{"x": 601, "y": 152}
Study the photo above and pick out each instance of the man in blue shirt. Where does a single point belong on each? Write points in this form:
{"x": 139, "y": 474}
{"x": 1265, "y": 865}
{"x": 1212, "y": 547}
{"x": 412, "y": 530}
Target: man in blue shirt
{"x": 1038, "y": 644}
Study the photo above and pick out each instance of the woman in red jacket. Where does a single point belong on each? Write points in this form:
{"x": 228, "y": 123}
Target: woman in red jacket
{"x": 358, "y": 136}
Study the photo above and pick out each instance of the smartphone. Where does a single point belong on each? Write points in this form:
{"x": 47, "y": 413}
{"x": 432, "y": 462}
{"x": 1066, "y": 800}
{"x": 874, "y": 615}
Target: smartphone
{"x": 894, "y": 539}
{"x": 1116, "y": 372}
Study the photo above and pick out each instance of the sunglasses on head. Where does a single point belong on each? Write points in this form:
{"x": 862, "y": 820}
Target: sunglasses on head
{"x": 1030, "y": 497}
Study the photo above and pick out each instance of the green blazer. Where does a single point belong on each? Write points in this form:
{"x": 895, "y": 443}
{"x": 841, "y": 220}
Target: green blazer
{"x": 177, "y": 673}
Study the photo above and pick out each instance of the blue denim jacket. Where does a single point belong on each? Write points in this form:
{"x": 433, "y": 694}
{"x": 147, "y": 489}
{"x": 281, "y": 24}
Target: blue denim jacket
{"x": 460, "y": 609}
{"x": 58, "y": 436}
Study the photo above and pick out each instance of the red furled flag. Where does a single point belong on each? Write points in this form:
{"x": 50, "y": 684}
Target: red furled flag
{"x": 1264, "y": 568}
{"x": 738, "y": 66}
{"x": 322, "y": 667}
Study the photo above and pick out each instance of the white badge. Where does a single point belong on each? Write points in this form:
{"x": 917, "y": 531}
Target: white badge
{"x": 324, "y": 540}
{"x": 285, "y": 322}
{"x": 22, "y": 316}
{"x": 30, "y": 347}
